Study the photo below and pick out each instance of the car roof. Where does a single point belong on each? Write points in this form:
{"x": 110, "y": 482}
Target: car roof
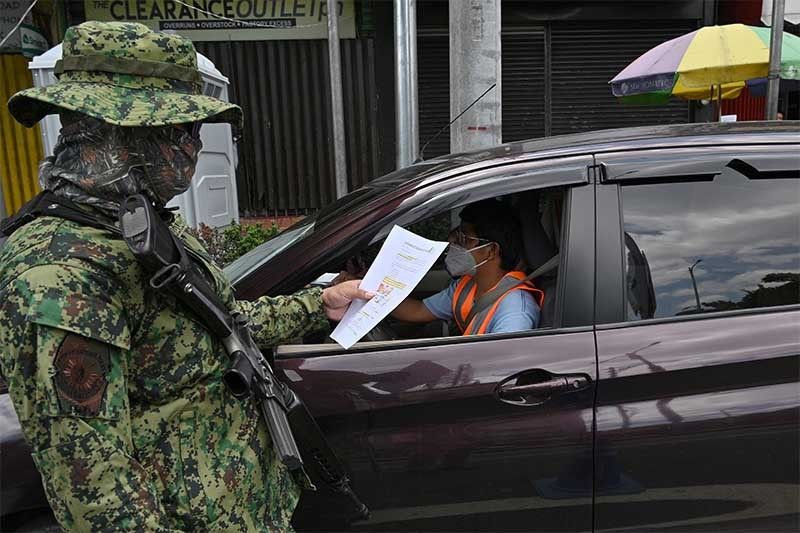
{"x": 423, "y": 173}
{"x": 620, "y": 139}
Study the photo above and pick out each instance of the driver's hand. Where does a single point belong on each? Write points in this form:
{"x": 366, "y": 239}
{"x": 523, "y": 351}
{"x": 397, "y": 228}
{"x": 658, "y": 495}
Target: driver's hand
{"x": 343, "y": 276}
{"x": 337, "y": 298}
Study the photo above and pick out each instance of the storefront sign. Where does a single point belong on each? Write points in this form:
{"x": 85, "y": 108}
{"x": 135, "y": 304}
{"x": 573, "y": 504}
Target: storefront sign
{"x": 226, "y": 20}
{"x": 10, "y": 13}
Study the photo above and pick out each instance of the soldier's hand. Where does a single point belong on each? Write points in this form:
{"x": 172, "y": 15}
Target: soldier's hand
{"x": 337, "y": 299}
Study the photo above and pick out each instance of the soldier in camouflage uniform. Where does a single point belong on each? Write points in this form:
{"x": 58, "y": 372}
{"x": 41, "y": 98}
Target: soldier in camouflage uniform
{"x": 118, "y": 387}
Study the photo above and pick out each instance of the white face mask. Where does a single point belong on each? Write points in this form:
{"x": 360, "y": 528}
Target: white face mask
{"x": 459, "y": 260}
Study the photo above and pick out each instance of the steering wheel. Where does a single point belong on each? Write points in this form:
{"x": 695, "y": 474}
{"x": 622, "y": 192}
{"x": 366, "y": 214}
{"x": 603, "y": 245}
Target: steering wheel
{"x": 381, "y": 332}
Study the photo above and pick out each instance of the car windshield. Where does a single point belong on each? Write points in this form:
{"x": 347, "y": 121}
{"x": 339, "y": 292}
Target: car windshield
{"x": 260, "y": 255}
{"x": 256, "y": 257}
{"x": 266, "y": 251}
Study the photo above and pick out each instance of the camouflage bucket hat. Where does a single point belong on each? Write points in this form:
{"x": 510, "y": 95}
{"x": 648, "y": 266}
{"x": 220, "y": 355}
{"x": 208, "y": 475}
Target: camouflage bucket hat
{"x": 125, "y": 74}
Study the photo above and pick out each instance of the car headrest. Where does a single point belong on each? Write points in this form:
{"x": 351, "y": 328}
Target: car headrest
{"x": 537, "y": 246}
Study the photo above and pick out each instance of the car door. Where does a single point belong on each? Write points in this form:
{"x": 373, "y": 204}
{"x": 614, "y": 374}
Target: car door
{"x": 449, "y": 433}
{"x": 698, "y": 411}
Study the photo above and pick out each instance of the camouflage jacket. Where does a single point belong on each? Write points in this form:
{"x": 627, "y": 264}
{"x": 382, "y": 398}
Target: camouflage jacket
{"x": 118, "y": 389}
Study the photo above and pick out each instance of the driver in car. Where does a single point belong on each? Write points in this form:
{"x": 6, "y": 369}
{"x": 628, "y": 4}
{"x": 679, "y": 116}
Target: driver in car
{"x": 487, "y": 295}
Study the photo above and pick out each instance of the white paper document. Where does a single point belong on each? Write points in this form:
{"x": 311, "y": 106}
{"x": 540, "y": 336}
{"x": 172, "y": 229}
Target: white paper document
{"x": 402, "y": 262}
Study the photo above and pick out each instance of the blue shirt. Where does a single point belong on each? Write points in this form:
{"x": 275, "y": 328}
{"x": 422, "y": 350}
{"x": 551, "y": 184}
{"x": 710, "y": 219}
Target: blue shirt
{"x": 518, "y": 311}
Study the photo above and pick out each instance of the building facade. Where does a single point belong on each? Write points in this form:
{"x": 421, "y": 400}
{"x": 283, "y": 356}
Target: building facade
{"x": 557, "y": 57}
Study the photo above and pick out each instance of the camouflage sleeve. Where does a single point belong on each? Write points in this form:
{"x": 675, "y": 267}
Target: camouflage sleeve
{"x": 67, "y": 377}
{"x": 281, "y": 318}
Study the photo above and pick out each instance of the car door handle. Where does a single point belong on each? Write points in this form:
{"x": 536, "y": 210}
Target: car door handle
{"x": 534, "y": 387}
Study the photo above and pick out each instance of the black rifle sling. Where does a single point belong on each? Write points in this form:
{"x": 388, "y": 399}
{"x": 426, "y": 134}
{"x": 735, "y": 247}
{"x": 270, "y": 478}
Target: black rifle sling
{"x": 47, "y": 204}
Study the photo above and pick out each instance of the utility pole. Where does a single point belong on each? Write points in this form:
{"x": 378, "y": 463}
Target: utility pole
{"x": 694, "y": 285}
{"x": 406, "y": 95}
{"x": 475, "y": 65}
{"x": 775, "y": 45}
{"x": 337, "y": 108}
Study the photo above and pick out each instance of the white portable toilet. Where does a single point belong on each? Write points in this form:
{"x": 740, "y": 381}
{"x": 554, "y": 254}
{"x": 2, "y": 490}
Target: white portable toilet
{"x": 211, "y": 199}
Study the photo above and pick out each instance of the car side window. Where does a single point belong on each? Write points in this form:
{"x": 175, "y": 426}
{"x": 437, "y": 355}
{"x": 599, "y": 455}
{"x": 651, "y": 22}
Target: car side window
{"x": 538, "y": 217}
{"x": 723, "y": 244}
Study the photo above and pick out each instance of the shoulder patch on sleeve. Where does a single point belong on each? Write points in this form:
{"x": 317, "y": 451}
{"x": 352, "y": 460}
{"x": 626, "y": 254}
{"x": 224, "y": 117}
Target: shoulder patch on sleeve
{"x": 81, "y": 374}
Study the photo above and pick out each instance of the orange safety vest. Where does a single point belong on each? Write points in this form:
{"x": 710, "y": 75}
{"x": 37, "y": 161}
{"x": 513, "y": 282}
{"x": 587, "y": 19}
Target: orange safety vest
{"x": 464, "y": 299}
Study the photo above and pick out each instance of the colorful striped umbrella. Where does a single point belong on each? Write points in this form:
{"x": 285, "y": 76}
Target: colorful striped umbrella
{"x": 711, "y": 62}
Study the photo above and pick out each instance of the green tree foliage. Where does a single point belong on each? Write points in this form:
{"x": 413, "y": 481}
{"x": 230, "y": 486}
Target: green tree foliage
{"x": 227, "y": 244}
{"x": 787, "y": 293}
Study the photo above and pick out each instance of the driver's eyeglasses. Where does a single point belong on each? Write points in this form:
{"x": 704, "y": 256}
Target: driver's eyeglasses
{"x": 457, "y": 236}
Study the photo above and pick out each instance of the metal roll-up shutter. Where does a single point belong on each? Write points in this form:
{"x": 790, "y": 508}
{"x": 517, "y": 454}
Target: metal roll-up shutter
{"x": 585, "y": 56}
{"x": 523, "y": 87}
{"x": 433, "y": 89}
{"x": 361, "y": 111}
{"x": 285, "y": 157}
{"x": 524, "y": 83}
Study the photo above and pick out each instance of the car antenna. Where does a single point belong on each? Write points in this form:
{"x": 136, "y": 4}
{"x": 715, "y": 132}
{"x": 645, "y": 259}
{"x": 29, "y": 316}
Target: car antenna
{"x": 422, "y": 151}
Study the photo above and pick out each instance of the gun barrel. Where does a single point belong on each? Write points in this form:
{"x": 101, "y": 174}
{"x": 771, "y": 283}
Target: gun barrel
{"x": 360, "y": 511}
{"x": 281, "y": 434}
{"x": 323, "y": 461}
{"x": 239, "y": 377}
